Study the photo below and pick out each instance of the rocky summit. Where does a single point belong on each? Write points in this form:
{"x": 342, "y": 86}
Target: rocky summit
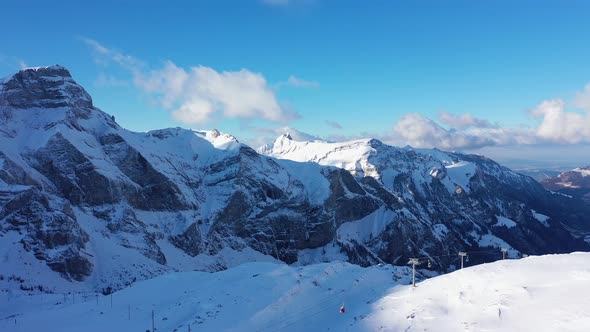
{"x": 88, "y": 205}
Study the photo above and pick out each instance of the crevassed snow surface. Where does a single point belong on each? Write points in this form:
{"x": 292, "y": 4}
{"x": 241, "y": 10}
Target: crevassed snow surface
{"x": 543, "y": 293}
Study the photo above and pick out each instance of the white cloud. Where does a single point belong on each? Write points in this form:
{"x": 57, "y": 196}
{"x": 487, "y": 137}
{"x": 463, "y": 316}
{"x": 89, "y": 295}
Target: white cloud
{"x": 421, "y": 132}
{"x": 559, "y": 126}
{"x": 463, "y": 121}
{"x": 195, "y": 111}
{"x": 197, "y": 95}
{"x": 582, "y": 99}
{"x": 505, "y": 136}
{"x": 556, "y": 126}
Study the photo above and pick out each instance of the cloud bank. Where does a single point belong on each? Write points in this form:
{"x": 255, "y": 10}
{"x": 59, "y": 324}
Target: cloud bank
{"x": 559, "y": 126}
{"x": 419, "y": 131}
{"x": 555, "y": 125}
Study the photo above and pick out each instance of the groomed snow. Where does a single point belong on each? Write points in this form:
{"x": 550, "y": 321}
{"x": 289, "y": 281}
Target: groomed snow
{"x": 544, "y": 293}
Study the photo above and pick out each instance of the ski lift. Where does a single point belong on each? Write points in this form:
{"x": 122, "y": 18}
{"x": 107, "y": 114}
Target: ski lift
{"x": 467, "y": 258}
{"x": 342, "y": 309}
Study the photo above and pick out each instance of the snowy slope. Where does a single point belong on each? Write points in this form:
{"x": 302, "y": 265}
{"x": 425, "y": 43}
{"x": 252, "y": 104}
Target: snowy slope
{"x": 544, "y": 293}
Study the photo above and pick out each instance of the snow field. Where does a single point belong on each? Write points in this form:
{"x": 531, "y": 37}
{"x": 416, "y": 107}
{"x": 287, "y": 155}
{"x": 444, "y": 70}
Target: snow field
{"x": 542, "y": 293}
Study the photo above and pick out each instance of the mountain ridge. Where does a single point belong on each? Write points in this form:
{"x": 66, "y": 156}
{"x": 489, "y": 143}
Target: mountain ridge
{"x": 87, "y": 204}
{"x": 575, "y": 182}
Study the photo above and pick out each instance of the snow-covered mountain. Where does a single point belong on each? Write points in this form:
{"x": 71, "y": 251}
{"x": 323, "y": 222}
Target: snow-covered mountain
{"x": 88, "y": 205}
{"x": 539, "y": 174}
{"x": 477, "y": 188}
{"x": 575, "y": 183}
{"x": 544, "y": 293}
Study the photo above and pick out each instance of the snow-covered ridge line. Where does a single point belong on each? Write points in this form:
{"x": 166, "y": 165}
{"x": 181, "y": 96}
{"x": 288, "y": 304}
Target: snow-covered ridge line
{"x": 367, "y": 157}
{"x": 52, "y": 67}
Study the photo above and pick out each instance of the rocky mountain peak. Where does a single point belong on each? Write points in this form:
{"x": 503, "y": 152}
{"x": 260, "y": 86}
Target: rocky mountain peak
{"x": 281, "y": 142}
{"x": 43, "y": 87}
{"x": 374, "y": 143}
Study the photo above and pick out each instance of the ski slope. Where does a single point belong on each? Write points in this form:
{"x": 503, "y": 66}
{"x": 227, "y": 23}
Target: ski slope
{"x": 543, "y": 293}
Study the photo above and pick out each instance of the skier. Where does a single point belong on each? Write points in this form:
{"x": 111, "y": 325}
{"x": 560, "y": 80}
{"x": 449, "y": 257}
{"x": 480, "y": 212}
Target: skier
{"x": 342, "y": 309}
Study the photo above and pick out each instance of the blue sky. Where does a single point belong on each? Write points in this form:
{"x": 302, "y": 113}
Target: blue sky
{"x": 504, "y": 78}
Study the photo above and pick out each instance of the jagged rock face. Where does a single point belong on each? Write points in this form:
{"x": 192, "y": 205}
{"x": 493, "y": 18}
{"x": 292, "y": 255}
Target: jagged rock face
{"x": 105, "y": 206}
{"x": 157, "y": 191}
{"x": 348, "y": 200}
{"x": 43, "y": 87}
{"x": 11, "y": 173}
{"x": 189, "y": 240}
{"x": 74, "y": 176}
{"x": 51, "y": 232}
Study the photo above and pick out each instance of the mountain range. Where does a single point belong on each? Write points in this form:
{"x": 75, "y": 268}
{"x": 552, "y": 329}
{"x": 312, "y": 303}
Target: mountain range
{"x": 88, "y": 205}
